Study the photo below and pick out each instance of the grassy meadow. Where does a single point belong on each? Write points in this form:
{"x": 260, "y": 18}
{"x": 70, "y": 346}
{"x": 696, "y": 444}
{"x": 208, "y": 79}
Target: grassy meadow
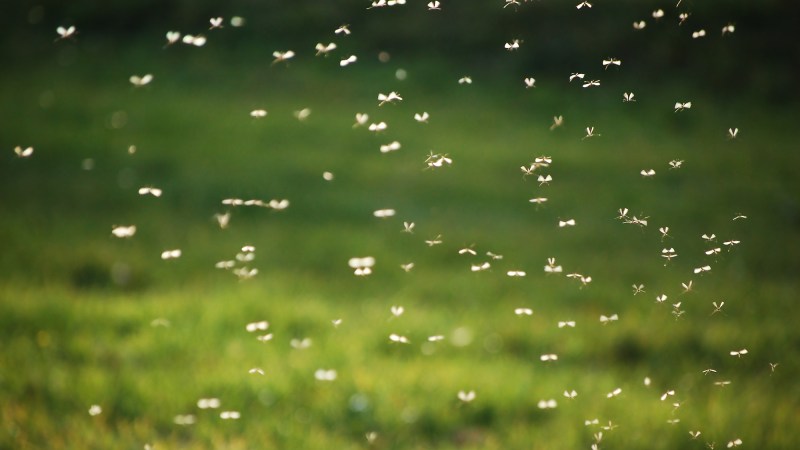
{"x": 87, "y": 318}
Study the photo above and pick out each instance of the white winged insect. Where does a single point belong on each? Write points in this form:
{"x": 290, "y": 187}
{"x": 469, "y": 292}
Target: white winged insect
{"x": 628, "y": 97}
{"x": 647, "y": 172}
{"x": 590, "y": 133}
{"x": 230, "y": 415}
{"x": 208, "y": 403}
{"x": 258, "y": 113}
{"x": 717, "y": 307}
{"x": 566, "y": 323}
{"x": 23, "y": 152}
{"x": 278, "y": 205}
{"x": 611, "y": 62}
{"x": 399, "y": 339}
{"x": 361, "y": 119}
{"x": 407, "y": 267}
{"x": 548, "y": 357}
{"x": 639, "y": 25}
{"x": 738, "y": 353}
{"x": 583, "y": 4}
{"x": 397, "y": 310}
{"x": 523, "y": 311}
{"x": 661, "y": 298}
{"x": 422, "y": 118}
{"x": 544, "y": 179}
{"x": 577, "y": 75}
{"x": 547, "y": 404}
{"x": 713, "y": 251}
{"x": 516, "y": 273}
{"x": 434, "y": 6}
{"x": 731, "y": 243}
{"x": 698, "y": 34}
{"x": 261, "y": 325}
{"x": 216, "y": 22}
{"x": 435, "y": 160}
{"x": 638, "y": 289}
{"x": 324, "y": 49}
{"x": 325, "y": 374}
{"x": 557, "y": 122}
{"x": 408, "y": 227}
{"x": 566, "y": 223}
{"x": 197, "y": 41}
{"x": 591, "y": 83}
{"x": 466, "y": 396}
{"x": 675, "y": 164}
{"x": 538, "y": 200}
{"x": 571, "y": 394}
{"x": 172, "y": 37}
{"x": 664, "y": 232}
{"x": 734, "y": 443}
{"x": 388, "y": 98}
{"x": 66, "y": 32}
{"x": 435, "y": 241}
{"x": 171, "y": 254}
{"x": 147, "y": 190}
{"x": 361, "y": 266}
{"x": 343, "y": 29}
{"x": 122, "y": 231}
{"x": 551, "y": 266}
{"x": 383, "y": 213}
{"x": 513, "y": 45}
{"x": 140, "y": 81}
{"x": 709, "y": 237}
{"x": 659, "y": 13}
{"x": 667, "y": 394}
{"x": 347, "y": 61}
{"x": 608, "y": 319}
{"x": 728, "y": 29}
{"x": 300, "y": 344}
{"x": 529, "y": 82}
{"x": 465, "y": 80}
{"x": 282, "y": 56}
{"x": 687, "y": 287}
{"x": 682, "y": 106}
{"x": 480, "y": 267}
{"x": 614, "y": 393}
{"x": 390, "y": 147}
{"x": 732, "y": 133}
{"x": 376, "y": 127}
{"x": 494, "y": 256}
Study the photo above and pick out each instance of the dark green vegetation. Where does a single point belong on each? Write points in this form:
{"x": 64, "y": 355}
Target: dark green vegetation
{"x": 77, "y": 305}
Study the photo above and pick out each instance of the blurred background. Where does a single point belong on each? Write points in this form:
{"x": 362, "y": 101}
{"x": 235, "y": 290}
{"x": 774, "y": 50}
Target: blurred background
{"x": 87, "y": 318}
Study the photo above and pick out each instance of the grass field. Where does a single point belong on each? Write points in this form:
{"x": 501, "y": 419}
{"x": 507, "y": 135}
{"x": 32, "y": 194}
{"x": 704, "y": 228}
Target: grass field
{"x": 90, "y": 319}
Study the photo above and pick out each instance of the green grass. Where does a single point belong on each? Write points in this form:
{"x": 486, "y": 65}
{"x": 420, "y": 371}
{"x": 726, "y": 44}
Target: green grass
{"x": 76, "y": 332}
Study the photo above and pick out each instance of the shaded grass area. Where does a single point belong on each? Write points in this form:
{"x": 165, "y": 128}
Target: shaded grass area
{"x": 77, "y": 304}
